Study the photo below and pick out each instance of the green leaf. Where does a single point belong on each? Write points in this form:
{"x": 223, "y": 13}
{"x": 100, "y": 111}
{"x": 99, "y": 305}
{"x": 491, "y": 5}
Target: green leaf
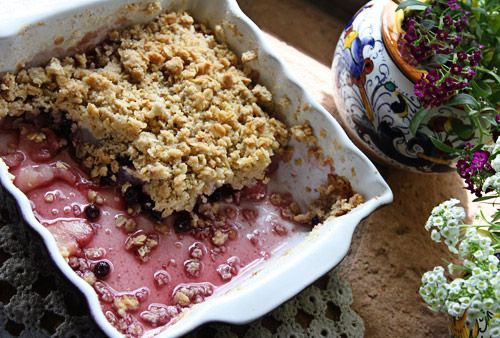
{"x": 497, "y": 214}
{"x": 390, "y": 86}
{"x": 440, "y": 59}
{"x": 484, "y": 198}
{"x": 443, "y": 147}
{"x": 428, "y": 24}
{"x": 463, "y": 99}
{"x": 491, "y": 73}
{"x": 412, "y": 5}
{"x": 481, "y": 90}
{"x": 461, "y": 129}
{"x": 418, "y": 118}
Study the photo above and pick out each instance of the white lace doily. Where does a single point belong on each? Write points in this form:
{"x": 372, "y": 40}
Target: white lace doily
{"x": 36, "y": 301}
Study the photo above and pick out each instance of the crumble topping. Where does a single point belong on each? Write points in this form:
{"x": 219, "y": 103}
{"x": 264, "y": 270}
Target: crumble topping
{"x": 163, "y": 104}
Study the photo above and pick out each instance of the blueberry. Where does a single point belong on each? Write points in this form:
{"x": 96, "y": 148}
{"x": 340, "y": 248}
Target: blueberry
{"x": 92, "y": 212}
{"x": 102, "y": 269}
{"x": 183, "y": 222}
{"x": 220, "y": 193}
{"x": 315, "y": 220}
{"x": 132, "y": 194}
{"x": 124, "y": 160}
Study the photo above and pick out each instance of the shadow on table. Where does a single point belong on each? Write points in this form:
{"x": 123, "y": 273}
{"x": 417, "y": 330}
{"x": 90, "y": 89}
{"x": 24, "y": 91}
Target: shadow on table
{"x": 312, "y": 27}
{"x": 392, "y": 250}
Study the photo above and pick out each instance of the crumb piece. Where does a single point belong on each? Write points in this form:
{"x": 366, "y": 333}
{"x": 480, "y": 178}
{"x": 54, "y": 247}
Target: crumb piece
{"x": 343, "y": 206}
{"x": 49, "y": 197}
{"x": 103, "y": 292}
{"x": 37, "y": 137}
{"x": 91, "y": 196}
{"x": 99, "y": 200}
{"x": 181, "y": 298}
{"x": 89, "y": 277}
{"x": 192, "y": 267}
{"x": 125, "y": 303}
{"x": 94, "y": 253}
{"x": 175, "y": 65}
{"x": 62, "y": 165}
{"x": 219, "y": 238}
{"x": 263, "y": 95}
{"x": 248, "y": 56}
{"x": 142, "y": 244}
{"x": 158, "y": 315}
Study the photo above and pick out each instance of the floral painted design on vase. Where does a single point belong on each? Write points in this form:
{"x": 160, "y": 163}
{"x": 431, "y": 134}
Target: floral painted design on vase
{"x": 463, "y": 327}
{"x": 374, "y": 95}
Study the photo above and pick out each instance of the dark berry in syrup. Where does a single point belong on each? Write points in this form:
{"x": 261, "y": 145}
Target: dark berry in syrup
{"x": 315, "y": 220}
{"x": 183, "y": 222}
{"x": 92, "y": 212}
{"x": 102, "y": 269}
{"x": 132, "y": 194}
{"x": 221, "y": 193}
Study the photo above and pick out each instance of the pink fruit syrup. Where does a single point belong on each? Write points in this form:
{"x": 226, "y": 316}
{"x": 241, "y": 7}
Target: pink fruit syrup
{"x": 145, "y": 270}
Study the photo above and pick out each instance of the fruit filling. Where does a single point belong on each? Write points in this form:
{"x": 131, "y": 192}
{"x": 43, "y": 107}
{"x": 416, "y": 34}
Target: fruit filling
{"x": 146, "y": 269}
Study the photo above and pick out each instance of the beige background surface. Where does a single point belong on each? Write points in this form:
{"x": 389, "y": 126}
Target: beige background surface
{"x": 391, "y": 249}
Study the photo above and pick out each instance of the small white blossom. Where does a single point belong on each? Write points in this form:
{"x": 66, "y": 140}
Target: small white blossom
{"x": 492, "y": 182}
{"x": 444, "y": 222}
{"x": 435, "y": 235}
{"x": 494, "y": 327}
{"x": 495, "y": 164}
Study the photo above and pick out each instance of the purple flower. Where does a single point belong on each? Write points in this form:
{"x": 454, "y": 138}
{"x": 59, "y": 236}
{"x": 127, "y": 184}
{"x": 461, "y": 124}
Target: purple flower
{"x": 475, "y": 57}
{"x": 453, "y": 5}
{"x": 461, "y": 23}
{"x": 456, "y": 69}
{"x": 448, "y": 20}
{"x": 433, "y": 76}
{"x": 462, "y": 56}
{"x": 457, "y": 39}
{"x": 469, "y": 75}
{"x": 474, "y": 167}
{"x": 442, "y": 35}
{"x": 479, "y": 159}
{"x": 463, "y": 168}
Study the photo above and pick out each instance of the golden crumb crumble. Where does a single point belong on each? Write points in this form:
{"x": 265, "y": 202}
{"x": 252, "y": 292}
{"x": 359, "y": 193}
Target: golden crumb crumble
{"x": 167, "y": 97}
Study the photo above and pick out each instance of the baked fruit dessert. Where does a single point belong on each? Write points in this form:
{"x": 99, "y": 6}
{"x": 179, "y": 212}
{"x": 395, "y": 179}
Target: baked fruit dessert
{"x": 163, "y": 105}
{"x": 153, "y": 161}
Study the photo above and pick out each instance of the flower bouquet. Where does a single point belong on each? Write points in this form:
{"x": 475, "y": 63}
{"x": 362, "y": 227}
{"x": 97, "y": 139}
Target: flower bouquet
{"x": 457, "y": 45}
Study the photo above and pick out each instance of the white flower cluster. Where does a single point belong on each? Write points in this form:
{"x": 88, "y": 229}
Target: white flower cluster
{"x": 478, "y": 294}
{"x": 494, "y": 327}
{"x": 445, "y": 221}
{"x": 494, "y": 180}
{"x": 434, "y": 289}
{"x": 475, "y": 246}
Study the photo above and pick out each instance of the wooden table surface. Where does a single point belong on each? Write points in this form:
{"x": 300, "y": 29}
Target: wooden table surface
{"x": 391, "y": 249}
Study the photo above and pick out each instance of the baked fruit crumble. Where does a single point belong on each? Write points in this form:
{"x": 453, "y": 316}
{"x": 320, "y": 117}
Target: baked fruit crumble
{"x": 151, "y": 160}
{"x": 162, "y": 104}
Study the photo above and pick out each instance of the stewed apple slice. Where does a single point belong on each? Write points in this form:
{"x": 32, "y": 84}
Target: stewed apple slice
{"x": 71, "y": 235}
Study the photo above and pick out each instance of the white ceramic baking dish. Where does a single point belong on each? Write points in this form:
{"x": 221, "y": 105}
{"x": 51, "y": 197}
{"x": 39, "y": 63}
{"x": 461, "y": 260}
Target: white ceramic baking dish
{"x": 33, "y": 30}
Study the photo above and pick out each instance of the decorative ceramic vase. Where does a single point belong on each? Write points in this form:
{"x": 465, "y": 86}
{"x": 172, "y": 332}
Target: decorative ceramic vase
{"x": 374, "y": 95}
{"x": 463, "y": 327}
